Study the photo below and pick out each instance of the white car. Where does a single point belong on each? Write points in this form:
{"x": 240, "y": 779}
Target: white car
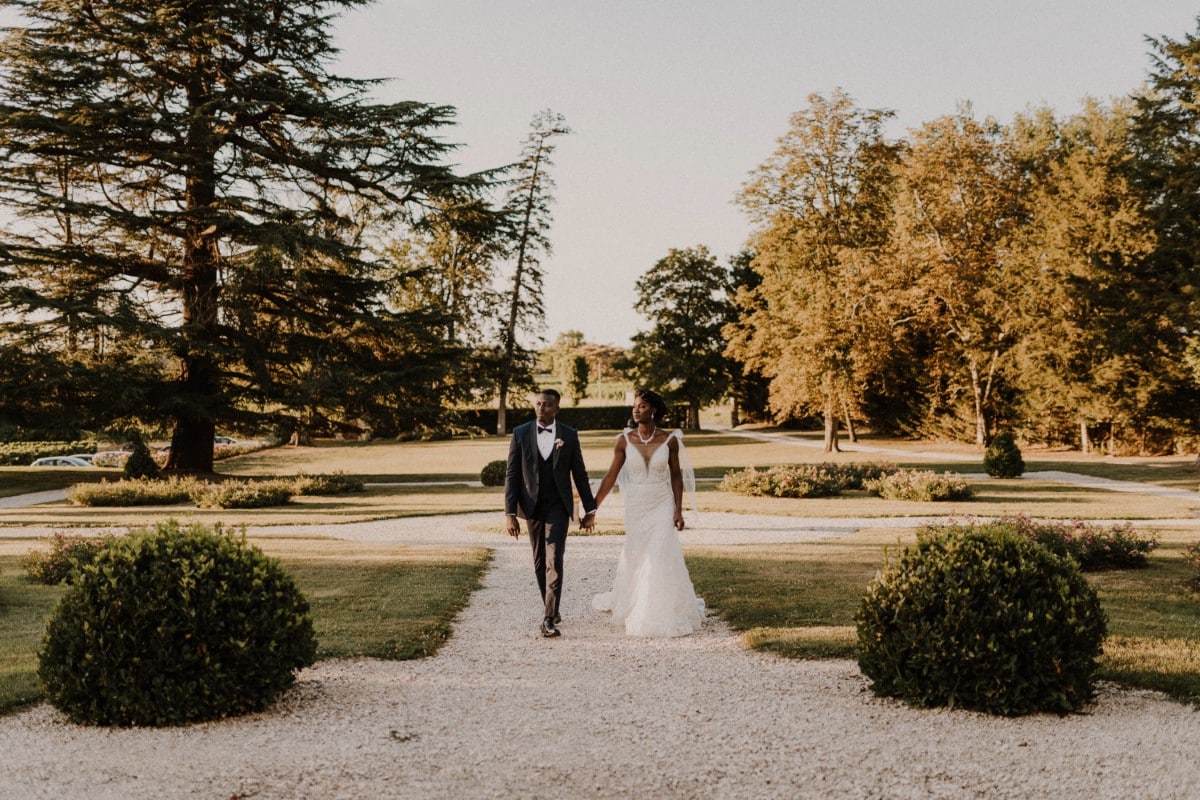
{"x": 60, "y": 461}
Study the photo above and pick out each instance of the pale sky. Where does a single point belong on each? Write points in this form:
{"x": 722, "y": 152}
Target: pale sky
{"x": 673, "y": 103}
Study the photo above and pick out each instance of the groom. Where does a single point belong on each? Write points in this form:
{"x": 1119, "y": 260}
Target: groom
{"x": 543, "y": 459}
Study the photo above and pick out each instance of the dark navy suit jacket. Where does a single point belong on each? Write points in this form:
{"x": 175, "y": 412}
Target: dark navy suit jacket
{"x": 521, "y": 480}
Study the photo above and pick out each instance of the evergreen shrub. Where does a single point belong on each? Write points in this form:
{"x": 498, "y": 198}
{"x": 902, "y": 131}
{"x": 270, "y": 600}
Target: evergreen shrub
{"x": 979, "y": 617}
{"x": 243, "y": 494}
{"x": 67, "y": 553}
{"x": 140, "y": 463}
{"x": 493, "y": 473}
{"x": 333, "y": 483}
{"x": 134, "y": 492}
{"x": 172, "y": 625}
{"x": 920, "y": 485}
{"x": 803, "y": 480}
{"x": 1002, "y": 459}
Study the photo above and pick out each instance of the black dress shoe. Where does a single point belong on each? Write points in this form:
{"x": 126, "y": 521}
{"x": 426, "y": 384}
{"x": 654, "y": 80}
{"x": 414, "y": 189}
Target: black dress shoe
{"x": 548, "y": 629}
{"x": 557, "y": 619}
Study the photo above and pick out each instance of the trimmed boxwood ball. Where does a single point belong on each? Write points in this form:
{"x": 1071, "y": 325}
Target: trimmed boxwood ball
{"x": 493, "y": 473}
{"x": 1002, "y": 459}
{"x": 175, "y": 624}
{"x": 979, "y": 617}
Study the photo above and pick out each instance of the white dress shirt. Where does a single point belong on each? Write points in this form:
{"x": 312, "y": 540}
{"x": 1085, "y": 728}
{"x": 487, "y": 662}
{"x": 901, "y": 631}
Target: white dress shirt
{"x": 545, "y": 440}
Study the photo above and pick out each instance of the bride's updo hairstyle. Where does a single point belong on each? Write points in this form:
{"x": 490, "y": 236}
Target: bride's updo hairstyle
{"x": 656, "y": 402}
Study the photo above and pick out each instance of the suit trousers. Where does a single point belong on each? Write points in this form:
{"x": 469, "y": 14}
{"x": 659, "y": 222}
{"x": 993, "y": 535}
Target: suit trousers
{"x": 548, "y": 537}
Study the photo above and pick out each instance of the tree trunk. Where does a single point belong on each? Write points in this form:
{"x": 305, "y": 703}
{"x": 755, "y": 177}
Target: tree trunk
{"x": 831, "y": 426}
{"x": 197, "y": 392}
{"x": 1085, "y": 442}
{"x": 850, "y": 430}
{"x": 981, "y": 426}
{"x": 501, "y": 421}
{"x": 734, "y": 417}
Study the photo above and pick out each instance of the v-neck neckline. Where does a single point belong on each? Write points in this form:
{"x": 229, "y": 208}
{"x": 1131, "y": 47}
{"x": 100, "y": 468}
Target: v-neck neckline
{"x": 646, "y": 458}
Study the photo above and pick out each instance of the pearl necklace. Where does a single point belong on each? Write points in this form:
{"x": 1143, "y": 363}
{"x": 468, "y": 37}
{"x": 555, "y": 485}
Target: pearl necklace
{"x": 638, "y": 434}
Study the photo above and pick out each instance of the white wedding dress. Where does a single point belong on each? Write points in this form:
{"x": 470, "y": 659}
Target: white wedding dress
{"x": 652, "y": 593}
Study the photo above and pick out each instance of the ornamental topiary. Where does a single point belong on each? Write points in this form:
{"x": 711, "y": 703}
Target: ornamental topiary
{"x": 172, "y": 625}
{"x": 979, "y": 617}
{"x": 1002, "y": 459}
{"x": 493, "y": 473}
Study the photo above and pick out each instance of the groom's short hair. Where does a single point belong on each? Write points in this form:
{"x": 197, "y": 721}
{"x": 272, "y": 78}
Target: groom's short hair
{"x": 551, "y": 393}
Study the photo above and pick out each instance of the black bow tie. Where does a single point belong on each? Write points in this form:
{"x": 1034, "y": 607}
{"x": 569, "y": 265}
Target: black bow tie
{"x": 545, "y": 430}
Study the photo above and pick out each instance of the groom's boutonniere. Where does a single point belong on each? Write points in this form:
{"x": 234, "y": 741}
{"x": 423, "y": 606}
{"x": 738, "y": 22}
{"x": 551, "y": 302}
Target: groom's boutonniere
{"x": 558, "y": 443}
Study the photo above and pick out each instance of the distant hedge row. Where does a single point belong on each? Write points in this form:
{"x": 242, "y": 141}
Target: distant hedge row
{"x": 584, "y": 418}
{"x": 20, "y": 454}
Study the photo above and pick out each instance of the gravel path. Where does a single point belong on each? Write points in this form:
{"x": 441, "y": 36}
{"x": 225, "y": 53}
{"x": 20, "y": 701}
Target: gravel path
{"x": 502, "y": 713}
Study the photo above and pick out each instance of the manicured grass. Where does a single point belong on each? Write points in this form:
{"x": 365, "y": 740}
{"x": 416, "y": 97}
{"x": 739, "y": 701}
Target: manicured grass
{"x": 381, "y": 601}
{"x": 799, "y": 601}
{"x": 712, "y": 454}
{"x": 21, "y": 480}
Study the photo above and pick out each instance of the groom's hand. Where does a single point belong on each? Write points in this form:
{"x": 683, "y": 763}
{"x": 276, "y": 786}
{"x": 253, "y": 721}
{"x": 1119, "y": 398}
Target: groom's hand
{"x": 512, "y": 525}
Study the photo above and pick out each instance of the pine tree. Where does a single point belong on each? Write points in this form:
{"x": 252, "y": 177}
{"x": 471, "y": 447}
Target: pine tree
{"x": 204, "y": 188}
{"x": 530, "y": 196}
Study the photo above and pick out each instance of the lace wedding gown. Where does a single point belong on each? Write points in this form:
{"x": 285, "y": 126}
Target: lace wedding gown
{"x": 652, "y": 592}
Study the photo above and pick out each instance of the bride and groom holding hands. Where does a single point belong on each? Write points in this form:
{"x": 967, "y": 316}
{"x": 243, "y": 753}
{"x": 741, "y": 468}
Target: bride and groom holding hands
{"x": 652, "y": 593}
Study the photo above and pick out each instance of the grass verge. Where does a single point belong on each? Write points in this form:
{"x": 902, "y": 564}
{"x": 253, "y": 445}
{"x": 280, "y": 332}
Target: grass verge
{"x": 379, "y": 601}
{"x": 799, "y": 601}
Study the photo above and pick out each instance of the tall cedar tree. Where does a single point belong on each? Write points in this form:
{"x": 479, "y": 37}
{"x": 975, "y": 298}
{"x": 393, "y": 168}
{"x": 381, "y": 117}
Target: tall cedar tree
{"x": 199, "y": 180}
{"x": 528, "y": 207}
{"x": 685, "y": 296}
{"x": 1167, "y": 172}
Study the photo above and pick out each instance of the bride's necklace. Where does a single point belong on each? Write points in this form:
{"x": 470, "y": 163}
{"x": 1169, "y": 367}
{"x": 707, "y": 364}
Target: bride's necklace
{"x": 653, "y": 432}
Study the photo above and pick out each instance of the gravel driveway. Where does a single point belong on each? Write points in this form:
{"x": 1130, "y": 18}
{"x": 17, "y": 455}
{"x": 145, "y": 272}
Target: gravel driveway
{"x": 503, "y": 713}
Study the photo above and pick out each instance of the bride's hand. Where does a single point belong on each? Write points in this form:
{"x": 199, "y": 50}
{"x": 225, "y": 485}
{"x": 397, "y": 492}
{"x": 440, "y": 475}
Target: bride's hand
{"x": 678, "y": 520}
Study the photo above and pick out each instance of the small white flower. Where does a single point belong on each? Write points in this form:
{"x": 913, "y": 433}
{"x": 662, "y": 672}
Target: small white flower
{"x": 558, "y": 443}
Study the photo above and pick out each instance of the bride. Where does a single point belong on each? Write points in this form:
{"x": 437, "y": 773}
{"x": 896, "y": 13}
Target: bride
{"x": 652, "y": 593}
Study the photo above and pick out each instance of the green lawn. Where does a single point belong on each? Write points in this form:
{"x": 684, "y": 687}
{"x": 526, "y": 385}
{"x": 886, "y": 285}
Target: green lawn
{"x": 387, "y": 463}
{"x": 381, "y": 601}
{"x": 799, "y": 600}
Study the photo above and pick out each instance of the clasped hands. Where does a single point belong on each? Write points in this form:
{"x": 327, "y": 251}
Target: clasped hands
{"x": 512, "y": 525}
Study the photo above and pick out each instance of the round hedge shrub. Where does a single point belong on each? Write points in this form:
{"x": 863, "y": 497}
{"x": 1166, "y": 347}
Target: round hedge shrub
{"x": 978, "y": 617}
{"x": 493, "y": 473}
{"x": 172, "y": 625}
{"x": 1002, "y": 459}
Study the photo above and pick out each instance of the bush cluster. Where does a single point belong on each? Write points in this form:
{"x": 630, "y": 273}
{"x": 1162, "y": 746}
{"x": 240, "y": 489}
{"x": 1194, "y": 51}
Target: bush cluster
{"x": 172, "y": 625}
{"x": 67, "y": 553}
{"x": 982, "y": 618}
{"x": 493, "y": 473}
{"x": 1002, "y": 459}
{"x": 915, "y": 484}
{"x": 229, "y": 494}
{"x": 243, "y": 494}
{"x": 1093, "y": 546}
{"x": 21, "y": 454}
{"x": 803, "y": 480}
{"x": 134, "y": 492}
{"x": 332, "y": 483}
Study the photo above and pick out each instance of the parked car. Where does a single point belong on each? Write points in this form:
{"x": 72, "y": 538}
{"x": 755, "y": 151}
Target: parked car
{"x": 61, "y": 461}
{"x": 225, "y": 440}
{"x": 88, "y": 457}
